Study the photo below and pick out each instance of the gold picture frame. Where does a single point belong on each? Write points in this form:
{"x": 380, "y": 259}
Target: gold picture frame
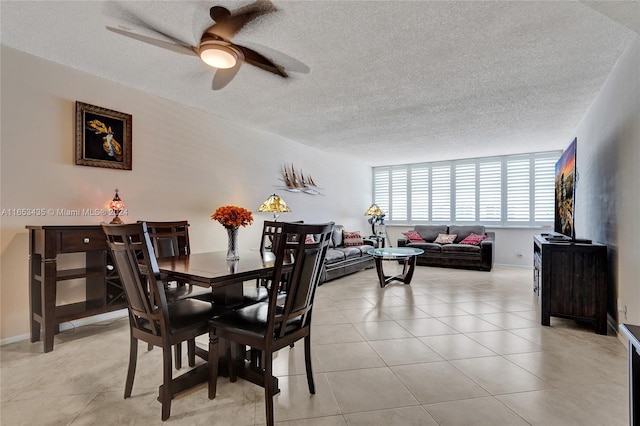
{"x": 103, "y": 137}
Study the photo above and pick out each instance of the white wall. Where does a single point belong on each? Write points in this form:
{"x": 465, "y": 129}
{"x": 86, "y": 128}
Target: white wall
{"x": 608, "y": 190}
{"x": 186, "y": 163}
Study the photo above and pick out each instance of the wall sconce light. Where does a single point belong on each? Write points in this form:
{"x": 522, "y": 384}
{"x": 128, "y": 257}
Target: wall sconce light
{"x": 116, "y": 205}
{"x": 274, "y": 204}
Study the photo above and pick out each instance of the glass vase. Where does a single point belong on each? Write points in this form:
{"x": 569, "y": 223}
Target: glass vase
{"x": 232, "y": 244}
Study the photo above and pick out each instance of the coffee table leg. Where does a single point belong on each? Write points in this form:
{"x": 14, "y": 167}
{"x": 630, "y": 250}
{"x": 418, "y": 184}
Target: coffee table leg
{"x": 412, "y": 266}
{"x": 381, "y": 277}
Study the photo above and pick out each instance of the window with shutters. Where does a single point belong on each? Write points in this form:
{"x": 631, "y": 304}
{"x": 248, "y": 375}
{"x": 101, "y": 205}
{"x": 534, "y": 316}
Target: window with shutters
{"x": 515, "y": 190}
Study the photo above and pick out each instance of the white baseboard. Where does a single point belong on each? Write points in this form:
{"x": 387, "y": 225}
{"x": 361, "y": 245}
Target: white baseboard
{"x": 70, "y": 325}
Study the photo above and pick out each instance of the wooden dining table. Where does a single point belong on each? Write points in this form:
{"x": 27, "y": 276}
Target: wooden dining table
{"x": 225, "y": 277}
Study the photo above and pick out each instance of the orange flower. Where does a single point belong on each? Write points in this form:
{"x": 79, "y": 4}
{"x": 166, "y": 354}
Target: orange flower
{"x": 232, "y": 216}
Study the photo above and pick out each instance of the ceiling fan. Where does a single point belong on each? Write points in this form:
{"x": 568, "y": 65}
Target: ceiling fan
{"x": 216, "y": 48}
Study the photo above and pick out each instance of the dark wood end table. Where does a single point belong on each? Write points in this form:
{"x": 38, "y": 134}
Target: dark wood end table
{"x": 406, "y": 254}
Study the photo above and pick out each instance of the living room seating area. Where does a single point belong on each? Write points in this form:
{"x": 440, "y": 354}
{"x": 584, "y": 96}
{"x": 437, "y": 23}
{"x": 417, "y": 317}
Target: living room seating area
{"x": 468, "y": 247}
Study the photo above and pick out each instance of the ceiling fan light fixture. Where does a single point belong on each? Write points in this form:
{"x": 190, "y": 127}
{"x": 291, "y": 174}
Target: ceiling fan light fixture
{"x": 218, "y": 56}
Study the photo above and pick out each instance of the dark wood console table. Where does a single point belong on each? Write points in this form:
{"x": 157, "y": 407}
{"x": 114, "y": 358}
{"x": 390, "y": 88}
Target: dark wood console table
{"x": 104, "y": 292}
{"x": 571, "y": 281}
{"x": 633, "y": 334}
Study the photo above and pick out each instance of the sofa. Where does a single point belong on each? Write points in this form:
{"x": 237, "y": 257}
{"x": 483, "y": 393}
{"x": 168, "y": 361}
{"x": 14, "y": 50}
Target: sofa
{"x": 478, "y": 255}
{"x": 343, "y": 260}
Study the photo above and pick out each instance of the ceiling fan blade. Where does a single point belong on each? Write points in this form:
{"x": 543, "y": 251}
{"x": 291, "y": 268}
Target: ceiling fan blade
{"x": 228, "y": 26}
{"x": 254, "y": 58}
{"x": 222, "y": 77}
{"x": 175, "y": 47}
{"x": 286, "y": 61}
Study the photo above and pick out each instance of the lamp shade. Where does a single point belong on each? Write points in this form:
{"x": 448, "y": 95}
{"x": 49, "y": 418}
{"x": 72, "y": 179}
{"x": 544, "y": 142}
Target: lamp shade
{"x": 274, "y": 204}
{"x": 374, "y": 210}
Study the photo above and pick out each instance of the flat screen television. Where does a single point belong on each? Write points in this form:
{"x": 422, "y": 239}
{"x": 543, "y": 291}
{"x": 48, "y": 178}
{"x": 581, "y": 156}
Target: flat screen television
{"x": 565, "y": 189}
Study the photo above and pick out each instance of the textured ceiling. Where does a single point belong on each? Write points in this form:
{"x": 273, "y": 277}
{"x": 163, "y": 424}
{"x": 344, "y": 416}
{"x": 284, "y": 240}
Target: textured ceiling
{"x": 389, "y": 81}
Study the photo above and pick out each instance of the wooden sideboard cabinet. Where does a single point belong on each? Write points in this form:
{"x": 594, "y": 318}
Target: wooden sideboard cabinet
{"x": 104, "y": 292}
{"x": 571, "y": 281}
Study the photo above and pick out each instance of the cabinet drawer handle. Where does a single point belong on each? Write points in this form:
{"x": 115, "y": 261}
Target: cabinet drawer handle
{"x": 86, "y": 241}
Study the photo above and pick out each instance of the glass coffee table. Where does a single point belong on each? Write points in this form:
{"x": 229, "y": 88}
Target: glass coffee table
{"x": 406, "y": 254}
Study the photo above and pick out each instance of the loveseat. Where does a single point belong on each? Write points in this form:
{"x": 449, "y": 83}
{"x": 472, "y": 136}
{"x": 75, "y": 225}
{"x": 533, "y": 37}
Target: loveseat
{"x": 342, "y": 260}
{"x": 473, "y": 254}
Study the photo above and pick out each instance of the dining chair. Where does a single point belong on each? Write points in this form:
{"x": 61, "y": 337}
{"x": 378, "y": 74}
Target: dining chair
{"x": 171, "y": 239}
{"x": 282, "y": 320}
{"x": 151, "y": 318}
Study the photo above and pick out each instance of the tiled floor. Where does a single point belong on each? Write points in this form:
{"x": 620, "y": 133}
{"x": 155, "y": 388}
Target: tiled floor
{"x": 453, "y": 348}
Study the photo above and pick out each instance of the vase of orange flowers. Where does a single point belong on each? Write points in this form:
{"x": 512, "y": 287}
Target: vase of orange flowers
{"x": 232, "y": 218}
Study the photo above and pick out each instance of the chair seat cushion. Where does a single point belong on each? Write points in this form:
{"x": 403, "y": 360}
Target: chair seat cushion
{"x": 255, "y": 294}
{"x": 250, "y": 320}
{"x": 187, "y": 313}
{"x": 173, "y": 294}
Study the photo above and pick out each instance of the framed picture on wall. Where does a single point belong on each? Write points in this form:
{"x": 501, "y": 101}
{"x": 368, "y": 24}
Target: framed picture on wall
{"x": 103, "y": 137}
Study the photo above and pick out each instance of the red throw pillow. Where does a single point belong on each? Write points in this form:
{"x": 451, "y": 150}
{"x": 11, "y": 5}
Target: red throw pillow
{"x": 473, "y": 239}
{"x": 414, "y": 237}
{"x": 351, "y": 239}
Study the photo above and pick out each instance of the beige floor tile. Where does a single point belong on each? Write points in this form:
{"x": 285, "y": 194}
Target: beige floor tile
{"x": 426, "y": 327}
{"x": 555, "y": 408}
{"x": 329, "y": 316}
{"x": 334, "y": 333}
{"x": 456, "y": 346}
{"x": 442, "y": 310}
{"x": 47, "y": 410}
{"x": 408, "y": 416}
{"x": 404, "y": 351}
{"x": 294, "y": 402}
{"x": 563, "y": 368}
{"x": 316, "y": 421}
{"x": 549, "y": 338}
{"x": 468, "y": 323}
{"x": 388, "y": 300}
{"x": 506, "y": 320}
{"x": 478, "y": 307}
{"x": 437, "y": 382}
{"x": 347, "y": 356}
{"x": 474, "y": 412}
{"x": 291, "y": 361}
{"x": 369, "y": 389}
{"x": 381, "y": 330}
{"x": 503, "y": 342}
{"x": 365, "y": 315}
{"x": 498, "y": 375}
{"x": 404, "y": 312}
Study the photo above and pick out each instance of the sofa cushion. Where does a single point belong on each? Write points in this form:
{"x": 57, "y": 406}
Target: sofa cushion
{"x": 413, "y": 236}
{"x": 463, "y": 231}
{"x": 460, "y": 248}
{"x": 350, "y": 239}
{"x": 427, "y": 247}
{"x": 336, "y": 236}
{"x": 473, "y": 239}
{"x": 350, "y": 252}
{"x": 445, "y": 238}
{"x": 430, "y": 232}
{"x": 333, "y": 256}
